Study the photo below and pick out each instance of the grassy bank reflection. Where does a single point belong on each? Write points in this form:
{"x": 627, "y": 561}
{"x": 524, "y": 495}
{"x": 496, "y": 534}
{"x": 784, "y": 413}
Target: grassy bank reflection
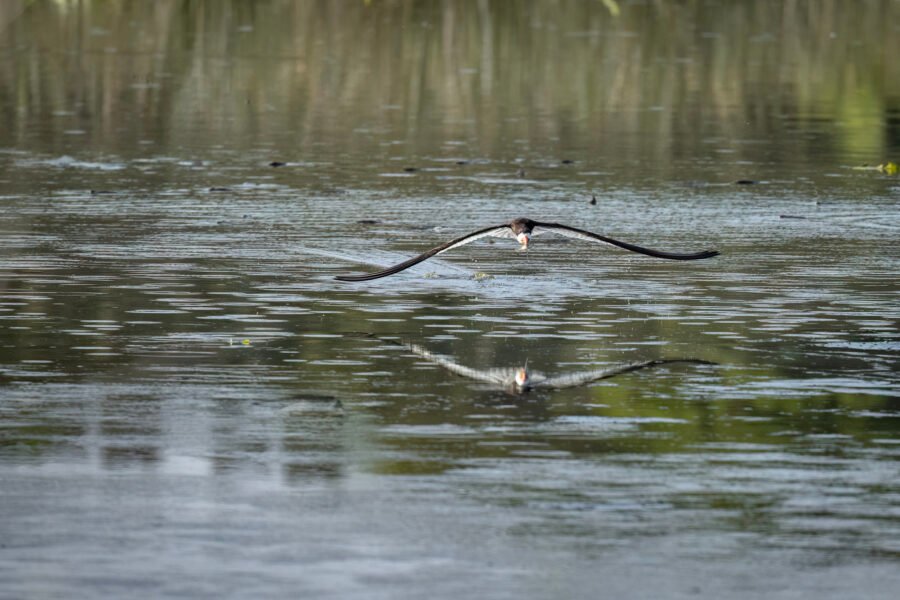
{"x": 662, "y": 80}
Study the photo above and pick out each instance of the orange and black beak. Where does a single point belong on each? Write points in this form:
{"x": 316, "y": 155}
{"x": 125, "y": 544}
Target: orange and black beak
{"x": 521, "y": 377}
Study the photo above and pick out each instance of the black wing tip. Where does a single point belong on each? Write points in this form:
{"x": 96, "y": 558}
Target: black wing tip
{"x": 697, "y": 256}
{"x": 672, "y": 256}
{"x": 366, "y": 277}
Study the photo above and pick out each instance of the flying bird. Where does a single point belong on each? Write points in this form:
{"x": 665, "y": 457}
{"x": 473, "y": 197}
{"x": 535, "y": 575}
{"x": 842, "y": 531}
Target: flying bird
{"x": 522, "y": 230}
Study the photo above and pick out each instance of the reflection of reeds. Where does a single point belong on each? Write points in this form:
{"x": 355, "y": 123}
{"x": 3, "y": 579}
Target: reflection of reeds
{"x": 299, "y": 72}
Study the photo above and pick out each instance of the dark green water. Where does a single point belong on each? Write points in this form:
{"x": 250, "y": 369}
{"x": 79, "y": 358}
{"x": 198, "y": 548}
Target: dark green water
{"x": 191, "y": 405}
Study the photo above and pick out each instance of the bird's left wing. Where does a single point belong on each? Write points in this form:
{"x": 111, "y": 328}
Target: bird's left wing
{"x": 496, "y": 230}
{"x": 581, "y": 234}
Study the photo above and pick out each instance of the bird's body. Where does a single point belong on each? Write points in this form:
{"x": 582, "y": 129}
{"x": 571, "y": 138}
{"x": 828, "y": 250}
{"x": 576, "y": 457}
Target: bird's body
{"x": 522, "y": 230}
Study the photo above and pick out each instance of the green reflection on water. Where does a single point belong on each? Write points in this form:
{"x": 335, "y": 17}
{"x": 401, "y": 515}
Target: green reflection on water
{"x": 660, "y": 83}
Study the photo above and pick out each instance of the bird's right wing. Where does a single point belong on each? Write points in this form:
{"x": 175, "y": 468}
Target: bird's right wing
{"x": 590, "y": 236}
{"x": 496, "y": 230}
{"x": 583, "y": 377}
{"x": 494, "y": 376}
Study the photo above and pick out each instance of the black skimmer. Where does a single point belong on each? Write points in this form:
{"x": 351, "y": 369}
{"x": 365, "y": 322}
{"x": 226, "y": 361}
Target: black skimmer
{"x": 522, "y": 230}
{"x": 520, "y": 380}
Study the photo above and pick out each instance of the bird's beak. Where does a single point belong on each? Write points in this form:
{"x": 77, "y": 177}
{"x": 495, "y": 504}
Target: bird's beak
{"x": 521, "y": 377}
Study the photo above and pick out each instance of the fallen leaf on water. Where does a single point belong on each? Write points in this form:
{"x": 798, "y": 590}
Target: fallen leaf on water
{"x": 613, "y": 7}
{"x": 888, "y": 168}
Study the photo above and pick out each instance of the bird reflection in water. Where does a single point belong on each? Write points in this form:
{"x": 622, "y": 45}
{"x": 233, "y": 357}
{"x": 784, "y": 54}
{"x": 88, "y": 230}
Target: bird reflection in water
{"x": 521, "y": 380}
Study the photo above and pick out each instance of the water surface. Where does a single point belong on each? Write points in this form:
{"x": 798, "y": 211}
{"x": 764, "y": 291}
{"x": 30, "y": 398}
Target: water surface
{"x": 191, "y": 405}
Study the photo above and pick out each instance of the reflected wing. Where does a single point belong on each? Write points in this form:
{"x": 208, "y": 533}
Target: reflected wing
{"x": 496, "y": 230}
{"x": 583, "y": 377}
{"x": 596, "y": 237}
{"x": 495, "y": 376}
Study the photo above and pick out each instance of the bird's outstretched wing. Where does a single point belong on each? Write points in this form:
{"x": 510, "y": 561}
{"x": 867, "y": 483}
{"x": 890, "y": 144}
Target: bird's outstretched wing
{"x": 583, "y": 377}
{"x": 501, "y": 377}
{"x": 495, "y": 230}
{"x": 581, "y": 234}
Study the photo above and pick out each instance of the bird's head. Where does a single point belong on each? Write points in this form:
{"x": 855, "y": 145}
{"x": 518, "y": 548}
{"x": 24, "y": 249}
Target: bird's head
{"x": 523, "y": 239}
{"x": 521, "y": 377}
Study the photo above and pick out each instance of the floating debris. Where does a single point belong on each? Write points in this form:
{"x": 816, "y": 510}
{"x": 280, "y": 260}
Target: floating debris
{"x": 481, "y": 275}
{"x": 410, "y": 169}
{"x": 888, "y": 168}
{"x": 790, "y": 217}
{"x": 613, "y": 7}
{"x": 745, "y": 182}
{"x": 277, "y": 163}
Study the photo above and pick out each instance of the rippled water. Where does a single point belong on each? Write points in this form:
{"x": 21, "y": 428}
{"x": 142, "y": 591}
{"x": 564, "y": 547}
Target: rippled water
{"x": 191, "y": 405}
